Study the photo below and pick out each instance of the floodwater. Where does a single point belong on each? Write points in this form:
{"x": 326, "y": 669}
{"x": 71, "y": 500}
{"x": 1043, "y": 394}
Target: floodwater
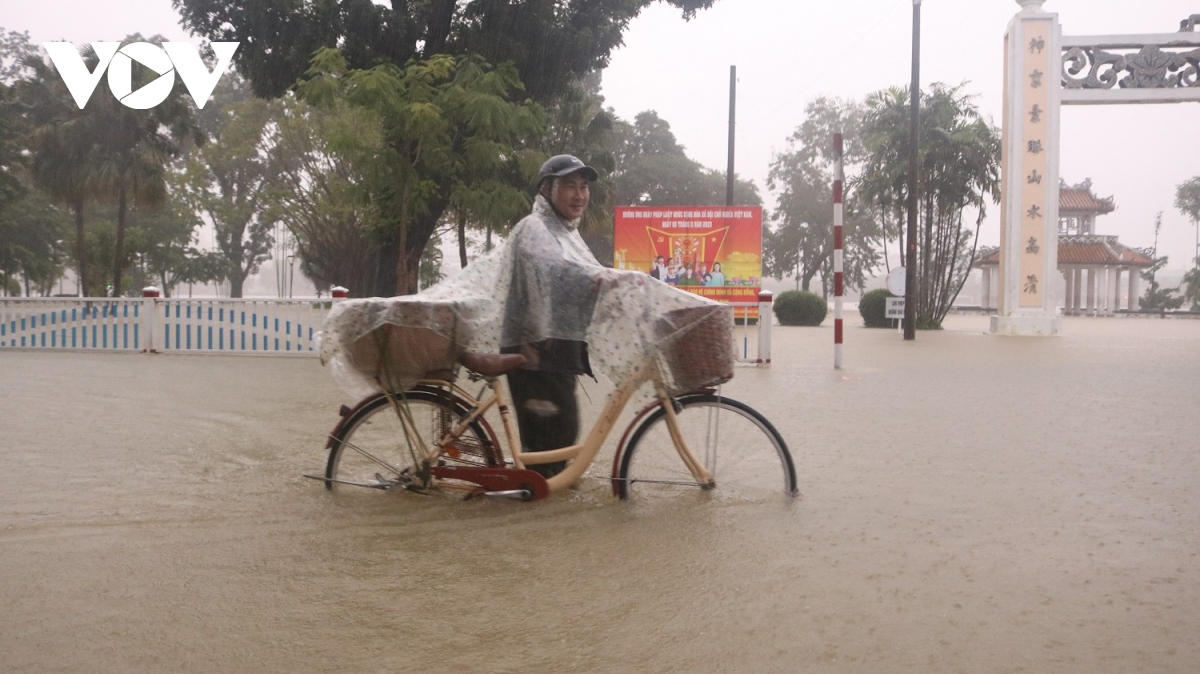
{"x": 970, "y": 504}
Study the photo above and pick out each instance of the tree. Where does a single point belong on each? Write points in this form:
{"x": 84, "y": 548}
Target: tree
{"x": 133, "y": 147}
{"x": 580, "y": 125}
{"x": 550, "y": 42}
{"x": 1158, "y": 298}
{"x": 61, "y": 149}
{"x": 106, "y": 151}
{"x": 959, "y": 164}
{"x": 31, "y": 234}
{"x": 15, "y": 50}
{"x": 448, "y": 125}
{"x": 161, "y": 252}
{"x": 654, "y": 169}
{"x": 319, "y": 159}
{"x": 1191, "y": 282}
{"x": 1187, "y": 200}
{"x": 801, "y": 240}
{"x": 224, "y": 181}
{"x": 541, "y": 47}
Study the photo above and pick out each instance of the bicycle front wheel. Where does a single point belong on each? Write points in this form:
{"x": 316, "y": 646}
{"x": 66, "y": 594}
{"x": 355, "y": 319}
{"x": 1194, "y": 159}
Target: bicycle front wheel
{"x": 745, "y": 454}
{"x": 373, "y": 448}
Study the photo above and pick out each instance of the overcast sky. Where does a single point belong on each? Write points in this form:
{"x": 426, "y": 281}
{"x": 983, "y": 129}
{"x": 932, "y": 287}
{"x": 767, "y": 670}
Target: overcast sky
{"x": 790, "y": 51}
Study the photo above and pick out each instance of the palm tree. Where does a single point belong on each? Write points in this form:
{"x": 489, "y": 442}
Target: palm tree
{"x": 959, "y": 164}
{"x": 62, "y": 147}
{"x": 132, "y": 149}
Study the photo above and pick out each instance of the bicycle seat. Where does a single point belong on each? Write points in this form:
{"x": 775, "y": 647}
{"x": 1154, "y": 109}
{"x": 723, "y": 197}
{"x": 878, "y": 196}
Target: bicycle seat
{"x": 491, "y": 364}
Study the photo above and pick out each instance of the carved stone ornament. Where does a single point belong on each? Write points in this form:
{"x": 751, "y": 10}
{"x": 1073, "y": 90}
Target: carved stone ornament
{"x": 1031, "y": 5}
{"x": 1149, "y": 68}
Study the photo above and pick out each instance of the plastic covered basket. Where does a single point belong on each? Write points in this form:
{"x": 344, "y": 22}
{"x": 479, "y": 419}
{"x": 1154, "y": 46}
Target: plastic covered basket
{"x": 695, "y": 347}
{"x": 395, "y": 355}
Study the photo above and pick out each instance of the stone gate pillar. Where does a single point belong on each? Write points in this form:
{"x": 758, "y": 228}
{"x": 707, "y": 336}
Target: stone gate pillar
{"x": 1029, "y": 174}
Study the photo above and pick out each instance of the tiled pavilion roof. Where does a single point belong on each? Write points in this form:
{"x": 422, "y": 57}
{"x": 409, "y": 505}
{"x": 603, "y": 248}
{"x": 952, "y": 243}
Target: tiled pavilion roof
{"x": 1084, "y": 250}
{"x": 1079, "y": 199}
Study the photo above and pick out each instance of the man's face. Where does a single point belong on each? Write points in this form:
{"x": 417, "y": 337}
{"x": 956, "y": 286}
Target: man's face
{"x": 571, "y": 196}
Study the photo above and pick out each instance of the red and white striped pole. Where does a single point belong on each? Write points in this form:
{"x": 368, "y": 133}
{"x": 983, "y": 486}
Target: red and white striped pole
{"x": 838, "y": 188}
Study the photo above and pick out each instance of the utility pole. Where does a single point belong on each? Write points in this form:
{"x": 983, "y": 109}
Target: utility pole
{"x": 914, "y": 139}
{"x": 732, "y": 127}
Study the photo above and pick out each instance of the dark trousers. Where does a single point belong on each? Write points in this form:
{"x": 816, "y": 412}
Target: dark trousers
{"x": 547, "y": 413}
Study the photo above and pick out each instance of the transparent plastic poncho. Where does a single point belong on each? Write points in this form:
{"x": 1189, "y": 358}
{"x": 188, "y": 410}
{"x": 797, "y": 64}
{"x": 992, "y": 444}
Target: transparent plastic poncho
{"x": 542, "y": 283}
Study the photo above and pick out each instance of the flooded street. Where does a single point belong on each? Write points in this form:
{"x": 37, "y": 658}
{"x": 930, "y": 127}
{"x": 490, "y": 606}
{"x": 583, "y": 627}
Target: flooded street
{"x": 969, "y": 503}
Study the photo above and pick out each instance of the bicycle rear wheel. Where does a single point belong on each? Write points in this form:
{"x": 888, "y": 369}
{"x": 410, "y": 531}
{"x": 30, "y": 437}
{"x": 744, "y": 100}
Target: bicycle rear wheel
{"x": 370, "y": 448}
{"x": 746, "y": 455}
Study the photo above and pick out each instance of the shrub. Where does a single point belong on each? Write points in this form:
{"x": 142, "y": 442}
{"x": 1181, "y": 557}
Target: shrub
{"x": 873, "y": 308}
{"x": 800, "y": 307}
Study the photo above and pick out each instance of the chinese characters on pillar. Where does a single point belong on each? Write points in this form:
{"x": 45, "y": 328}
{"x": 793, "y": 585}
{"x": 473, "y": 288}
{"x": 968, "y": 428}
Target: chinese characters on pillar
{"x": 1033, "y": 111}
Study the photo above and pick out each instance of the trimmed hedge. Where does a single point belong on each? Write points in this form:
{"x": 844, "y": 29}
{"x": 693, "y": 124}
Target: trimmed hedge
{"x": 873, "y": 308}
{"x": 800, "y": 307}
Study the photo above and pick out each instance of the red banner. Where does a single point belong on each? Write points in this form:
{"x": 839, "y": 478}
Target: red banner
{"x": 714, "y": 251}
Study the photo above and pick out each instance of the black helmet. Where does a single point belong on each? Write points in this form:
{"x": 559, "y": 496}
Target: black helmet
{"x": 560, "y": 166}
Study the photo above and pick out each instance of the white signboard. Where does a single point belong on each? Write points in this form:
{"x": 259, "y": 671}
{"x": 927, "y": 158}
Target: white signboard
{"x": 895, "y": 307}
{"x": 896, "y": 279}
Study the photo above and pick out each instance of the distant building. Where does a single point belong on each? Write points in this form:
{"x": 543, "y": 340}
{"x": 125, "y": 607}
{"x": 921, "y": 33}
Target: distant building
{"x": 1091, "y": 264}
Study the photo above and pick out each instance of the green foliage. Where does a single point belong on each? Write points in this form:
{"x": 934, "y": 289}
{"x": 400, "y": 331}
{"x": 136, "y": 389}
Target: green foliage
{"x": 872, "y": 306}
{"x": 31, "y": 241}
{"x": 959, "y": 165}
{"x": 461, "y": 135}
{"x": 105, "y": 153}
{"x": 800, "y": 241}
{"x": 1187, "y": 199}
{"x": 1191, "y": 285}
{"x": 653, "y": 168}
{"x": 800, "y": 307}
{"x": 319, "y": 158}
{"x": 1156, "y": 297}
{"x": 452, "y": 129}
{"x": 549, "y": 42}
{"x": 578, "y": 124}
{"x": 225, "y": 179}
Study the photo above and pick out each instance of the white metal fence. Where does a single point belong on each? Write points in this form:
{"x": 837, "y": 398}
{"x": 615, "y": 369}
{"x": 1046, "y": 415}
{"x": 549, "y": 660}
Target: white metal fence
{"x": 263, "y": 326}
{"x": 229, "y": 326}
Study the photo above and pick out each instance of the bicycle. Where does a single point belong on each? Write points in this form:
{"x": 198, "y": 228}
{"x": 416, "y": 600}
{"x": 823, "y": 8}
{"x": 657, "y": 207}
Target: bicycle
{"x": 433, "y": 438}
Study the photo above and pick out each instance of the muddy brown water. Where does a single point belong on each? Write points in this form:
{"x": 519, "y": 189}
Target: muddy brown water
{"x": 970, "y": 504}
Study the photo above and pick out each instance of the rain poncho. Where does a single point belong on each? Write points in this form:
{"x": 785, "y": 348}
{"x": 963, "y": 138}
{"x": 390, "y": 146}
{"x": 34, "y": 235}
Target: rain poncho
{"x": 542, "y": 284}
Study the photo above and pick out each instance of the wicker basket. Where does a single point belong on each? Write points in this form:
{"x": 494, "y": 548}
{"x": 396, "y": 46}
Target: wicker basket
{"x": 697, "y": 347}
{"x": 397, "y": 355}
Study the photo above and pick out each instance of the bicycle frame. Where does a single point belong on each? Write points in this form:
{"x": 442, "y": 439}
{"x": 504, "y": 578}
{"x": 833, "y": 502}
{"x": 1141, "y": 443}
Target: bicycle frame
{"x": 580, "y": 455}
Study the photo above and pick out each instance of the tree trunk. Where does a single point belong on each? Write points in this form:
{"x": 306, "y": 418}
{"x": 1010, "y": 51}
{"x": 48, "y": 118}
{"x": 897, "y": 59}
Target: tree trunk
{"x": 81, "y": 267}
{"x": 809, "y": 273}
{"x": 119, "y": 246}
{"x": 236, "y": 281}
{"x": 414, "y": 236}
{"x": 462, "y": 239}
